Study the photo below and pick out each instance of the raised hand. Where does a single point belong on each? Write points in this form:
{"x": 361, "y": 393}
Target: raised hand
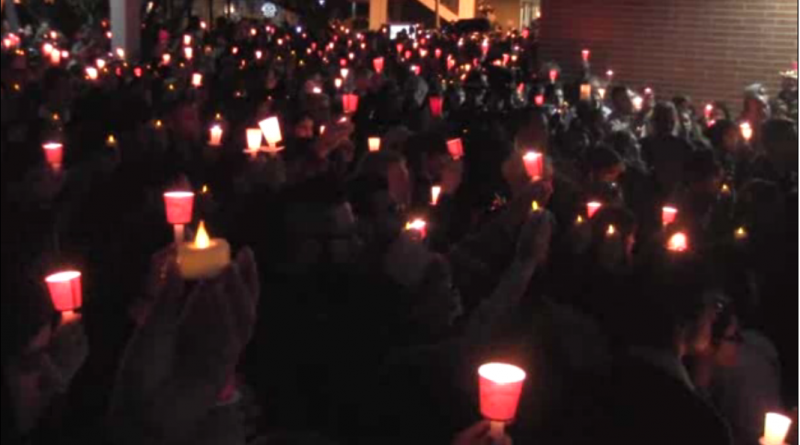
{"x": 479, "y": 434}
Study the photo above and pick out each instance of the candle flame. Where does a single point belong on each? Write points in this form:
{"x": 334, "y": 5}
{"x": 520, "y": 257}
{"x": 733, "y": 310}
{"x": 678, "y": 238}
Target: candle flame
{"x": 417, "y": 224}
{"x": 202, "y": 240}
{"x": 502, "y": 374}
{"x": 726, "y": 189}
{"x": 741, "y": 233}
{"x": 579, "y": 220}
{"x": 679, "y": 242}
{"x": 111, "y": 140}
{"x": 611, "y": 230}
{"x": 63, "y": 277}
{"x": 535, "y": 206}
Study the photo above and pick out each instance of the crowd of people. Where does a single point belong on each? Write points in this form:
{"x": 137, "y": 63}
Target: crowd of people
{"x": 645, "y": 276}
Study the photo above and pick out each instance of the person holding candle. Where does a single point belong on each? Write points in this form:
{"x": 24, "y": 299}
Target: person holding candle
{"x": 666, "y": 153}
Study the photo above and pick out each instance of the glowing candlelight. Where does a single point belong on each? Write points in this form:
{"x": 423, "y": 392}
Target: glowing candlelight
{"x": 585, "y": 54}
{"x": 726, "y": 189}
{"x": 215, "y": 139}
{"x": 378, "y": 64}
{"x": 350, "y": 103}
{"x": 374, "y": 144}
{"x": 111, "y": 141}
{"x": 197, "y": 80}
{"x": 668, "y": 215}
{"x": 500, "y": 391}
{"x": 776, "y": 428}
{"x": 187, "y": 40}
{"x": 638, "y": 103}
{"x": 416, "y": 70}
{"x": 586, "y": 92}
{"x": 747, "y": 131}
{"x": 204, "y": 258}
{"x": 188, "y": 53}
{"x": 708, "y": 111}
{"x": 344, "y": 73}
{"x": 678, "y": 242}
{"x": 534, "y": 165}
{"x": 437, "y": 53}
{"x": 456, "y": 149}
{"x": 166, "y": 59}
{"x": 47, "y": 48}
{"x": 437, "y": 106}
{"x": 418, "y": 227}
{"x": 436, "y": 193}
{"x": 66, "y": 292}
{"x": 338, "y": 83}
{"x": 254, "y": 137}
{"x": 610, "y": 75}
{"x": 592, "y": 208}
{"x": 539, "y": 100}
{"x": 611, "y": 231}
{"x": 271, "y": 128}
{"x": 553, "y": 75}
{"x": 602, "y": 93}
{"x": 55, "y": 57}
{"x": 91, "y": 73}
{"x": 54, "y": 153}
{"x": 579, "y": 220}
{"x": 740, "y": 234}
{"x": 535, "y": 207}
{"x": 121, "y": 53}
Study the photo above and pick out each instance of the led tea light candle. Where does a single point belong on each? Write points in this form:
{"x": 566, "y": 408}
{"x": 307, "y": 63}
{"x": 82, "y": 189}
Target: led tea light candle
{"x": 776, "y": 428}
{"x": 437, "y": 106}
{"x": 203, "y": 258}
{"x": 534, "y": 165}
{"x": 436, "y": 193}
{"x": 592, "y": 208}
{"x": 179, "y": 206}
{"x": 668, "y": 215}
{"x": 456, "y": 149}
{"x": 271, "y": 128}
{"x": 215, "y": 139}
{"x": 500, "y": 391}
{"x": 66, "y": 292}
{"x": 678, "y": 243}
{"x": 740, "y": 234}
{"x": 54, "y": 154}
{"x": 374, "y": 144}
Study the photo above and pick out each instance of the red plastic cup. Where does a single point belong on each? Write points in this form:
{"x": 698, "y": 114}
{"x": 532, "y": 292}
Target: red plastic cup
{"x": 456, "y": 148}
{"x": 668, "y": 215}
{"x": 437, "y": 106}
{"x": 350, "y": 103}
{"x": 54, "y": 153}
{"x": 534, "y": 165}
{"x": 500, "y": 390}
{"x": 180, "y": 206}
{"x": 378, "y": 64}
{"x": 65, "y": 290}
{"x": 592, "y": 208}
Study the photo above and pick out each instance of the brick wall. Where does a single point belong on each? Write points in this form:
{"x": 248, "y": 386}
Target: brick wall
{"x": 708, "y": 49}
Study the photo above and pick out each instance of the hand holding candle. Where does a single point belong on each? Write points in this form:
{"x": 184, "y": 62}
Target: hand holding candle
{"x": 271, "y": 128}
{"x": 668, "y": 215}
{"x": 54, "y": 153}
{"x": 215, "y": 139}
{"x": 500, "y": 392}
{"x": 534, "y": 165}
{"x": 456, "y": 149}
{"x": 418, "y": 228}
{"x": 374, "y": 144}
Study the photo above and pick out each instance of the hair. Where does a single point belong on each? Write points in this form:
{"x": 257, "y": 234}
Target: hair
{"x": 716, "y": 134}
{"x": 779, "y": 137}
{"x": 377, "y": 164}
{"x": 602, "y": 158}
{"x": 665, "y": 118}
{"x": 701, "y": 166}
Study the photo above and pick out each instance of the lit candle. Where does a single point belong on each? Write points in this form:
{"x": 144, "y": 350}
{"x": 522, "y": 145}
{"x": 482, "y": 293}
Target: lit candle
{"x": 585, "y": 54}
{"x": 350, "y": 103}
{"x": 678, "y": 242}
{"x": 638, "y": 103}
{"x": 338, "y": 83}
{"x": 708, "y": 111}
{"x": 776, "y": 428}
{"x": 668, "y": 215}
{"x": 204, "y": 258}
{"x": 740, "y": 234}
{"x": 437, "y": 106}
{"x": 66, "y": 292}
{"x": 188, "y": 53}
{"x": 725, "y": 190}
{"x": 111, "y": 141}
{"x": 100, "y": 64}
{"x": 534, "y": 165}
{"x": 197, "y": 80}
{"x": 271, "y": 128}
{"x": 54, "y": 153}
{"x": 254, "y": 138}
{"x": 91, "y": 73}
{"x": 438, "y": 53}
{"x": 55, "y": 57}
{"x": 535, "y": 207}
{"x": 179, "y": 207}
{"x": 456, "y": 149}
{"x": 344, "y": 72}
{"x": 500, "y": 391}
{"x": 47, "y": 48}
{"x": 187, "y": 40}
{"x": 166, "y": 59}
{"x": 611, "y": 231}
{"x": 586, "y": 92}
{"x": 592, "y": 208}
{"x": 747, "y": 131}
{"x": 378, "y": 64}
{"x": 216, "y": 136}
{"x": 121, "y": 53}
{"x": 539, "y": 100}
{"x": 451, "y": 63}
{"x": 374, "y": 144}
{"x": 602, "y": 93}
{"x": 416, "y": 70}
{"x": 610, "y": 75}
{"x": 436, "y": 192}
{"x": 553, "y": 75}
{"x": 418, "y": 227}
